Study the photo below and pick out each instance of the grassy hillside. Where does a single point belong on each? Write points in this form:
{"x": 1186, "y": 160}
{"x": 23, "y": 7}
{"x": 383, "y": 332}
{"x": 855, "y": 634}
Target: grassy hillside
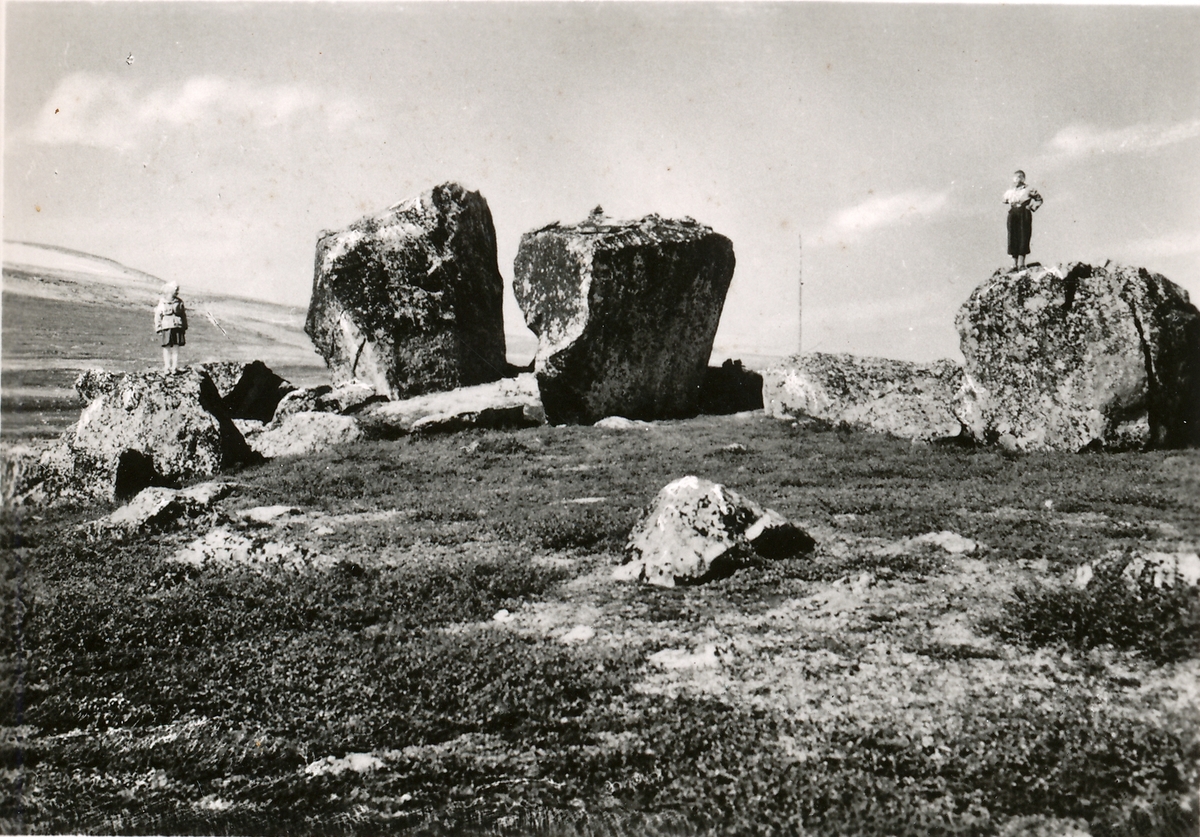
{"x": 445, "y": 651}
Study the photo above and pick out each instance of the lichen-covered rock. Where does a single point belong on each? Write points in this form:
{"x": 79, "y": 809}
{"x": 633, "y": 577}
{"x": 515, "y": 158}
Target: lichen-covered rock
{"x": 348, "y": 397}
{"x": 1078, "y": 356}
{"x": 303, "y": 433}
{"x": 908, "y": 400}
{"x": 90, "y": 384}
{"x": 146, "y": 429}
{"x": 697, "y": 530}
{"x": 625, "y": 314}
{"x": 409, "y": 300}
{"x": 507, "y": 403}
{"x": 302, "y": 400}
{"x": 248, "y": 390}
{"x": 20, "y": 472}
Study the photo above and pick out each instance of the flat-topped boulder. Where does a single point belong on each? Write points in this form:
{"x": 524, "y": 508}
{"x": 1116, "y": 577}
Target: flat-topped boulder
{"x": 143, "y": 429}
{"x": 409, "y": 300}
{"x": 1076, "y": 356}
{"x": 625, "y": 313}
{"x": 908, "y": 400}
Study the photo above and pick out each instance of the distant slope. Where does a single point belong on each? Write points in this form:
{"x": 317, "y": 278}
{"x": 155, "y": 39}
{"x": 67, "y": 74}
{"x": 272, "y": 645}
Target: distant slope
{"x": 222, "y": 327}
{"x": 64, "y": 311}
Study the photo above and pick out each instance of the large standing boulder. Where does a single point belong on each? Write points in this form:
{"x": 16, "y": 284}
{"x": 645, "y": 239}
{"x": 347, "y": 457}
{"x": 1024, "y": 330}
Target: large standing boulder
{"x": 909, "y": 400}
{"x": 625, "y": 314}
{"x": 697, "y": 531}
{"x": 1077, "y": 356}
{"x": 143, "y": 429}
{"x": 409, "y": 300}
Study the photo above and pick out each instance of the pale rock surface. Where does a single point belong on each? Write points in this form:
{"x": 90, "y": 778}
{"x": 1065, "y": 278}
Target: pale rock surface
{"x": 224, "y": 548}
{"x": 622, "y": 423}
{"x": 908, "y": 400}
{"x": 303, "y": 433}
{"x": 268, "y": 514}
{"x": 697, "y": 530}
{"x": 680, "y": 659}
{"x": 508, "y": 402}
{"x": 409, "y": 300}
{"x": 1075, "y": 356}
{"x": 625, "y": 313}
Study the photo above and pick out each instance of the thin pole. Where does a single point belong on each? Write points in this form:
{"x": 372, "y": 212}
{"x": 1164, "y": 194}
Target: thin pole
{"x": 800, "y": 300}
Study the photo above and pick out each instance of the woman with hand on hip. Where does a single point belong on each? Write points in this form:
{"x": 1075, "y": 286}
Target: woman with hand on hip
{"x": 1023, "y": 200}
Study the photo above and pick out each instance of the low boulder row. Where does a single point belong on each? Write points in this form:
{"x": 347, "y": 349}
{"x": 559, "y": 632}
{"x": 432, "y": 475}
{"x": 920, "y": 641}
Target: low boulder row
{"x": 625, "y": 313}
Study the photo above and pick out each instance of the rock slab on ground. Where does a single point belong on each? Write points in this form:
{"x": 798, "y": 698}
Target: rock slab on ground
{"x": 144, "y": 429}
{"x": 908, "y": 400}
{"x": 697, "y": 530}
{"x": 625, "y": 313}
{"x": 154, "y": 508}
{"x": 509, "y": 402}
{"x": 304, "y": 433}
{"x": 1076, "y": 356}
{"x": 409, "y": 300}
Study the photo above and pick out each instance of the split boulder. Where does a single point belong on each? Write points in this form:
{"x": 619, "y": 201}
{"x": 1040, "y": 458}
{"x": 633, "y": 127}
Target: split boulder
{"x": 697, "y": 530}
{"x": 248, "y": 390}
{"x": 144, "y": 429}
{"x": 625, "y": 313}
{"x": 409, "y": 300}
{"x": 908, "y": 400}
{"x": 1076, "y": 356}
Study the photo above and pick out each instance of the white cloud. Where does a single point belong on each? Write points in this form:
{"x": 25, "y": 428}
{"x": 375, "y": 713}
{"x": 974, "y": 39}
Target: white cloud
{"x": 1165, "y": 246}
{"x": 105, "y": 111}
{"x": 1079, "y": 140}
{"x": 879, "y": 211}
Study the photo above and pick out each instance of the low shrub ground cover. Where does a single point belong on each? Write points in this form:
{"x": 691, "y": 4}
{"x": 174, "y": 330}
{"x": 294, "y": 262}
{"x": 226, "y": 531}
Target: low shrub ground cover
{"x": 379, "y": 694}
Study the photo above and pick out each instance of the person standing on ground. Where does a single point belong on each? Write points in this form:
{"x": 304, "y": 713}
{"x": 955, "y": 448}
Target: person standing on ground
{"x": 170, "y": 321}
{"x": 1023, "y": 200}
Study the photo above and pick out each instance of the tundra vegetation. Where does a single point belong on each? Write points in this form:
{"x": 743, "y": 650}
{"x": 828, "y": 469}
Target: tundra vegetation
{"x": 449, "y": 653}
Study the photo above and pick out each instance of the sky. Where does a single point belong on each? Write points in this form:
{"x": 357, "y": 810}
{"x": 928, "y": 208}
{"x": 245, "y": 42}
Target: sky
{"x": 863, "y": 147}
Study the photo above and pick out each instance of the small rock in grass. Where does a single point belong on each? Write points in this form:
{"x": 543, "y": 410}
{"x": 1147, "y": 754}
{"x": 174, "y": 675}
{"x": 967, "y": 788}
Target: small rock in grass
{"x": 622, "y": 423}
{"x": 502, "y": 616}
{"x": 354, "y": 762}
{"x": 951, "y": 542}
{"x": 267, "y": 514}
{"x": 679, "y": 659}
{"x": 580, "y": 633}
{"x": 156, "y": 507}
{"x": 697, "y": 530}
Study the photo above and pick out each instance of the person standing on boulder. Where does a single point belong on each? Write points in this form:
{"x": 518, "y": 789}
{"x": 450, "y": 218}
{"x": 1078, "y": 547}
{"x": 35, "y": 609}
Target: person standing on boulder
{"x": 170, "y": 321}
{"x": 1023, "y": 200}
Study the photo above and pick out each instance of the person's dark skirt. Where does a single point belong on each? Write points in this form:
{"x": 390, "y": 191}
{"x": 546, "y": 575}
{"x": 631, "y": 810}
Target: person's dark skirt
{"x": 172, "y": 337}
{"x": 1020, "y": 229}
